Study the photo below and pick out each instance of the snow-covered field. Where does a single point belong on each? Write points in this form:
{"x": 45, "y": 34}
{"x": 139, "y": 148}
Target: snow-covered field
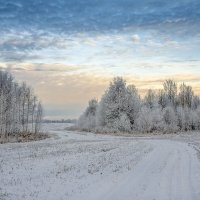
{"x": 85, "y": 166}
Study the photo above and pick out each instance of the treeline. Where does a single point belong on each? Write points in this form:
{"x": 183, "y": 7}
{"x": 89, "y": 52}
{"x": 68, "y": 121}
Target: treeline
{"x": 59, "y": 121}
{"x": 121, "y": 109}
{"x": 20, "y": 110}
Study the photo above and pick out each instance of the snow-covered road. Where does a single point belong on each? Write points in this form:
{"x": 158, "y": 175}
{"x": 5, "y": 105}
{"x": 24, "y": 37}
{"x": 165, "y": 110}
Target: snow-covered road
{"x": 85, "y": 166}
{"x": 170, "y": 172}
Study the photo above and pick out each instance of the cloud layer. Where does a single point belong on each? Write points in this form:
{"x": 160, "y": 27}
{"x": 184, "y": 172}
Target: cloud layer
{"x": 95, "y": 15}
{"x": 70, "y": 50}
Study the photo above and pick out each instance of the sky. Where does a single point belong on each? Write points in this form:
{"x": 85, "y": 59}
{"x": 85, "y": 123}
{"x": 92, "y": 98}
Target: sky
{"x": 69, "y": 50}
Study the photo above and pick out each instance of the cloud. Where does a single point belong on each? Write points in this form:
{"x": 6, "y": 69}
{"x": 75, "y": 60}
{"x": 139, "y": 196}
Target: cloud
{"x": 75, "y": 16}
{"x": 31, "y": 39}
{"x": 17, "y": 56}
{"x": 70, "y": 50}
{"x": 28, "y": 45}
{"x": 78, "y": 88}
{"x": 41, "y": 67}
{"x": 136, "y": 38}
{"x": 85, "y": 48}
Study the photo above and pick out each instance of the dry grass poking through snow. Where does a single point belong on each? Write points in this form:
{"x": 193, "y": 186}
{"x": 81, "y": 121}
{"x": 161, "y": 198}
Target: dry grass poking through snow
{"x": 24, "y": 137}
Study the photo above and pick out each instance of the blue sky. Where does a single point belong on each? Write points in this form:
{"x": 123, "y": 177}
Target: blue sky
{"x": 69, "y": 50}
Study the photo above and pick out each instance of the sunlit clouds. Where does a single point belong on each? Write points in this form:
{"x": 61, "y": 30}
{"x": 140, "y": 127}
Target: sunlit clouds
{"x": 68, "y": 51}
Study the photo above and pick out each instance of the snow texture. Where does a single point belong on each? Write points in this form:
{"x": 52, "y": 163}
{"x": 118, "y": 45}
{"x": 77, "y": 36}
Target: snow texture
{"x": 86, "y": 166}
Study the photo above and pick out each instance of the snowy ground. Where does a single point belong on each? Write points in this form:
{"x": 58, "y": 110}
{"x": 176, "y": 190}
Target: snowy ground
{"x": 84, "y": 166}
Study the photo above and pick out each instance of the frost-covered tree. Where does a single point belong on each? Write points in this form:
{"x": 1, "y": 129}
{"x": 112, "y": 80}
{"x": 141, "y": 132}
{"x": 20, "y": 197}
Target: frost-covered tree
{"x": 144, "y": 121}
{"x": 188, "y": 119}
{"x": 198, "y": 115}
{"x": 150, "y": 99}
{"x": 157, "y": 119}
{"x": 18, "y": 112}
{"x": 119, "y": 103}
{"x": 195, "y": 102}
{"x": 92, "y": 108}
{"x": 186, "y": 95}
{"x": 87, "y": 120}
{"x": 193, "y": 120}
{"x": 133, "y": 104}
{"x": 181, "y": 118}
{"x": 170, "y": 91}
{"x": 122, "y": 109}
{"x": 123, "y": 123}
{"x": 150, "y": 120}
{"x": 113, "y": 104}
{"x": 162, "y": 99}
{"x": 170, "y": 119}
{"x": 38, "y": 117}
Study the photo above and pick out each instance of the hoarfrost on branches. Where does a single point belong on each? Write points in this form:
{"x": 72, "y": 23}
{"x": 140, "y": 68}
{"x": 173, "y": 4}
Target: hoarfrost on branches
{"x": 121, "y": 109}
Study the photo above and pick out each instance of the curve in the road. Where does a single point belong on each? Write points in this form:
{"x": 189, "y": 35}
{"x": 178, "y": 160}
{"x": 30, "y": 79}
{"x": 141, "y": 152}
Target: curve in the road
{"x": 170, "y": 172}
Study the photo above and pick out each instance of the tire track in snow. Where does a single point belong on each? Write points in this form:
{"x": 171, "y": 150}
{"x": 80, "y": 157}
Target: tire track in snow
{"x": 166, "y": 173}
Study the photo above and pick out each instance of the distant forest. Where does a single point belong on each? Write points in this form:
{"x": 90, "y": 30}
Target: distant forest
{"x": 60, "y": 121}
{"x": 121, "y": 109}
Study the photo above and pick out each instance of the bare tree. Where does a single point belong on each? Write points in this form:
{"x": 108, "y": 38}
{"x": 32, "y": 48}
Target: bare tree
{"x": 20, "y": 111}
{"x": 185, "y": 96}
{"x": 170, "y": 89}
{"x": 38, "y": 118}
